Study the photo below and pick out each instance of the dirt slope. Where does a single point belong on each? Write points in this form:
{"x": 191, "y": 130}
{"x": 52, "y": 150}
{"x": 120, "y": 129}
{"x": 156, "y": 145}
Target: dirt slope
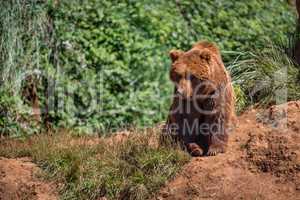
{"x": 18, "y": 181}
{"x": 262, "y": 162}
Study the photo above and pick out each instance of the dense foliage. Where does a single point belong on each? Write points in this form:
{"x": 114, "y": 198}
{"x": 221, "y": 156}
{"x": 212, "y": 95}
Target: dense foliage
{"x": 108, "y": 61}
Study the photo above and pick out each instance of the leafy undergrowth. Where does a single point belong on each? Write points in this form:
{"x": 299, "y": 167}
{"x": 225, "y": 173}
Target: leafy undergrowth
{"x": 89, "y": 167}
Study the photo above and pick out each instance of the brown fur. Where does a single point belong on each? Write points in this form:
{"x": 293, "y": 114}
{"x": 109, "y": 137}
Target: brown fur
{"x": 203, "y": 97}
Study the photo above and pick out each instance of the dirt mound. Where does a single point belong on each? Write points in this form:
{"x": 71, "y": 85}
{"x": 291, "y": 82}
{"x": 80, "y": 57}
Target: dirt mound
{"x": 275, "y": 153}
{"x": 276, "y": 148}
{"x": 18, "y": 181}
{"x": 262, "y": 162}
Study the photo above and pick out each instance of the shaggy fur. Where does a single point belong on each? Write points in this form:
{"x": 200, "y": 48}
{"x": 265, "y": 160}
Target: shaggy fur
{"x": 202, "y": 110}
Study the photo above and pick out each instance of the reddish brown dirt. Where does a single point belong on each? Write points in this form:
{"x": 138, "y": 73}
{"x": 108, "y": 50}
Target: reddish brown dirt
{"x": 262, "y": 162}
{"x": 18, "y": 181}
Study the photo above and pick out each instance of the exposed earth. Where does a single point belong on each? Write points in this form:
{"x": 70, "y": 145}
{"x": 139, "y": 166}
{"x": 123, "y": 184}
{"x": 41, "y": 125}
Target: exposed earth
{"x": 19, "y": 180}
{"x": 262, "y": 162}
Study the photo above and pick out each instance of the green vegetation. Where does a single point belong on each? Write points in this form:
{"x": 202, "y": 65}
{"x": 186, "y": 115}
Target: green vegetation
{"x": 89, "y": 168}
{"x": 268, "y": 77}
{"x": 98, "y": 65}
{"x": 24, "y": 55}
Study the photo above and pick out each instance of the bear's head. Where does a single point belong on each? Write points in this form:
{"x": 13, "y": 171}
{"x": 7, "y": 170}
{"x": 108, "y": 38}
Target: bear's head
{"x": 192, "y": 68}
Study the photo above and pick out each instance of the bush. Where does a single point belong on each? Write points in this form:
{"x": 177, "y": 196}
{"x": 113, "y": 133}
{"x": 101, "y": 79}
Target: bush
{"x": 120, "y": 48}
{"x": 107, "y": 61}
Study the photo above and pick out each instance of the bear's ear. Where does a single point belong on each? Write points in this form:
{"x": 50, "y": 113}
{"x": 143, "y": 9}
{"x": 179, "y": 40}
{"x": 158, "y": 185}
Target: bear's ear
{"x": 174, "y": 54}
{"x": 205, "y": 55}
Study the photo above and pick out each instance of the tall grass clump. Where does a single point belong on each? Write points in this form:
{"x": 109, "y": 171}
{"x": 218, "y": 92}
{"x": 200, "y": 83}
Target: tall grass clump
{"x": 269, "y": 76}
{"x": 23, "y": 54}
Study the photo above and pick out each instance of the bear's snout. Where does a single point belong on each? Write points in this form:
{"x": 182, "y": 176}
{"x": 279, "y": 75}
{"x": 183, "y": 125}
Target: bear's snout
{"x": 184, "y": 88}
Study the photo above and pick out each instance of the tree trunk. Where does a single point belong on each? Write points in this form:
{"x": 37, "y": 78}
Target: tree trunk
{"x": 297, "y": 43}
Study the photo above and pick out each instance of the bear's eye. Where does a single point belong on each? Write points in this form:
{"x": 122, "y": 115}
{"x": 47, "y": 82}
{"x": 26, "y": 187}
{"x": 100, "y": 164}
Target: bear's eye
{"x": 175, "y": 76}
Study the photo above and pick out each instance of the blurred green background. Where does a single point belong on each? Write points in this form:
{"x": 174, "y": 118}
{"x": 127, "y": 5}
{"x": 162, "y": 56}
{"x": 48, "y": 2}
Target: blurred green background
{"x": 101, "y": 65}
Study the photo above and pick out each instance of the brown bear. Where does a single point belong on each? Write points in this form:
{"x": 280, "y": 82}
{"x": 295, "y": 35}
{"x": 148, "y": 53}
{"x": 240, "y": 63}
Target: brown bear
{"x": 203, "y": 108}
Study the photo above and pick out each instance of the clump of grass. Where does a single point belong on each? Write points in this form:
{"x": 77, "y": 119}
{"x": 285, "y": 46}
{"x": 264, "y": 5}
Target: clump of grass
{"x": 24, "y": 52}
{"x": 89, "y": 167}
{"x": 268, "y": 77}
{"x": 240, "y": 98}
